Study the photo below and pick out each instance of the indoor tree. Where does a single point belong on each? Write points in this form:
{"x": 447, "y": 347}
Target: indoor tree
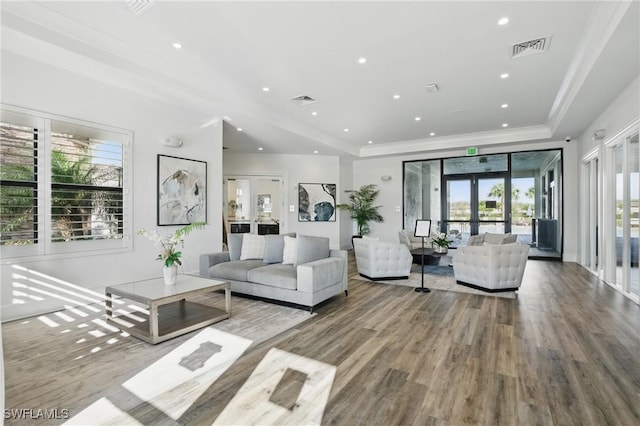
{"x": 361, "y": 208}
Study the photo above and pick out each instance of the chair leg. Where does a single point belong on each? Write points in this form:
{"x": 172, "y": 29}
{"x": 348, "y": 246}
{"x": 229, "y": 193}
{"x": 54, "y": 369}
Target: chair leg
{"x": 346, "y": 292}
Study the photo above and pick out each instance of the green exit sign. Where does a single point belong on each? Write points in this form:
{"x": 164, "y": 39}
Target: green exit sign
{"x": 472, "y": 150}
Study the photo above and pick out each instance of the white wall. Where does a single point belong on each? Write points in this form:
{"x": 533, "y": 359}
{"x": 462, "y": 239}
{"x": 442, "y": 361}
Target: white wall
{"x": 36, "y": 86}
{"x": 622, "y": 111}
{"x": 370, "y": 170}
{"x": 295, "y": 169}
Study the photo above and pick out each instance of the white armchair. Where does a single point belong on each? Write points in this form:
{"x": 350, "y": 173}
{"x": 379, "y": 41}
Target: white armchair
{"x": 491, "y": 268}
{"x": 380, "y": 260}
{"x": 408, "y": 239}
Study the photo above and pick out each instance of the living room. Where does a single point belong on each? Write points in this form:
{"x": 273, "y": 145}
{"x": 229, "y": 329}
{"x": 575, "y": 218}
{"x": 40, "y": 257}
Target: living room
{"x": 56, "y": 65}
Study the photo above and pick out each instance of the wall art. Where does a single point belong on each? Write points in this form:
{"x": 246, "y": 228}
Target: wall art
{"x": 182, "y": 191}
{"x": 316, "y": 202}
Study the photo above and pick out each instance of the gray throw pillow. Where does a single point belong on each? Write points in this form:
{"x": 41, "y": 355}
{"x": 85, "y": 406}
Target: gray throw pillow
{"x": 235, "y": 246}
{"x": 273, "y": 248}
{"x": 311, "y": 248}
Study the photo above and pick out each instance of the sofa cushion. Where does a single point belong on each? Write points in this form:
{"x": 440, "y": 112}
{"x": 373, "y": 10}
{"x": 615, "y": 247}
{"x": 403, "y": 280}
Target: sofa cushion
{"x": 311, "y": 248}
{"x": 252, "y": 247}
{"x": 275, "y": 275}
{"x": 290, "y": 250}
{"x": 235, "y": 245}
{"x": 234, "y": 270}
{"x": 273, "y": 248}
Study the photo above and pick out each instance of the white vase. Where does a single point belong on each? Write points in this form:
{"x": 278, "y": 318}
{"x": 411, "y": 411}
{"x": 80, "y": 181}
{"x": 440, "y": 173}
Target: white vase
{"x": 441, "y": 249}
{"x": 170, "y": 274}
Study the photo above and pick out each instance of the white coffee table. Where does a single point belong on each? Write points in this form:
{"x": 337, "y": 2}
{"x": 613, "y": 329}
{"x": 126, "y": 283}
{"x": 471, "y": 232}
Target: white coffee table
{"x": 169, "y": 312}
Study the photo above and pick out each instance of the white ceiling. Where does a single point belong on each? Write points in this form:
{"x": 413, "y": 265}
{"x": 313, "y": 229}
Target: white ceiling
{"x": 231, "y": 50}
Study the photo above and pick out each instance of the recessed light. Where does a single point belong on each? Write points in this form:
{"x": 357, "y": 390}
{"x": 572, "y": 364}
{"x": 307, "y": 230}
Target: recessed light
{"x": 265, "y": 89}
{"x": 346, "y": 130}
{"x": 315, "y": 151}
{"x": 177, "y": 45}
{"x": 370, "y": 142}
{"x": 503, "y": 21}
{"x": 504, "y": 75}
{"x": 362, "y": 60}
{"x": 239, "y": 129}
{"x": 260, "y": 148}
{"x": 314, "y": 113}
{"x": 418, "y": 118}
{"x": 504, "y": 106}
{"x": 505, "y": 125}
{"x": 432, "y": 134}
{"x": 396, "y": 96}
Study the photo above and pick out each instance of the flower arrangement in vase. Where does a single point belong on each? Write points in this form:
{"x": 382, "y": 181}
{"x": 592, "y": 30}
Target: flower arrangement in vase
{"x": 441, "y": 242}
{"x": 169, "y": 254}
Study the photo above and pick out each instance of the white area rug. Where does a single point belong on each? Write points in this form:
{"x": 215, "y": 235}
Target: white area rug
{"x": 440, "y": 282}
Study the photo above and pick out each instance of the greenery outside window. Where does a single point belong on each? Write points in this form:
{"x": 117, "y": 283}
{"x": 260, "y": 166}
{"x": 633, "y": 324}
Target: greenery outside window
{"x": 63, "y": 186}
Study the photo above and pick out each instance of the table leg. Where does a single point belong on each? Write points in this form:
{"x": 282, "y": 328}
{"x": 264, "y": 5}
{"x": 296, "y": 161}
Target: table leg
{"x": 227, "y": 298}
{"x": 153, "y": 321}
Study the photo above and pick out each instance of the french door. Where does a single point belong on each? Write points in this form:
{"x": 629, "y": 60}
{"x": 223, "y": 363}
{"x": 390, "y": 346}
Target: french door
{"x": 254, "y": 204}
{"x": 476, "y": 203}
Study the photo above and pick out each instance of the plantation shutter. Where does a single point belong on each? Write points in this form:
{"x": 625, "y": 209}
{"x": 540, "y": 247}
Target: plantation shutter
{"x": 86, "y": 184}
{"x": 19, "y": 145}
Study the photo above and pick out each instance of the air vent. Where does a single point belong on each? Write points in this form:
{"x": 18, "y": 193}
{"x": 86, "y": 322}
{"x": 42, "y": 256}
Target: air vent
{"x": 303, "y": 100}
{"x": 526, "y": 48}
{"x": 138, "y": 7}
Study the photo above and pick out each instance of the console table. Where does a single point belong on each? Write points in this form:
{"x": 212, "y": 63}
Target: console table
{"x": 169, "y": 313}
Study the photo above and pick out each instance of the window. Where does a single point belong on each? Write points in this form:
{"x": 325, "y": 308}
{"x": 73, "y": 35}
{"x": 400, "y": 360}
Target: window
{"x": 63, "y": 185}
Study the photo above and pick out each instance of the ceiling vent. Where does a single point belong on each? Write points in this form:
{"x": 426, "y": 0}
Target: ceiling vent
{"x": 138, "y": 7}
{"x": 526, "y": 48}
{"x": 303, "y": 100}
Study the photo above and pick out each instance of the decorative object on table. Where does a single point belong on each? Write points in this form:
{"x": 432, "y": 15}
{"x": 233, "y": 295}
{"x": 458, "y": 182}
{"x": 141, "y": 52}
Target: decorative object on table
{"x": 182, "y": 191}
{"x": 423, "y": 228}
{"x": 169, "y": 255}
{"x": 316, "y": 202}
{"x": 441, "y": 242}
{"x": 361, "y": 208}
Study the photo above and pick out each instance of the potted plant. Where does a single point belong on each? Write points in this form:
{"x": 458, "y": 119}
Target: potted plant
{"x": 361, "y": 208}
{"x": 441, "y": 242}
{"x": 169, "y": 255}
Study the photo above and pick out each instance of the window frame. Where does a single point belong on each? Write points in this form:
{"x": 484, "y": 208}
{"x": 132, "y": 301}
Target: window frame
{"x": 44, "y": 248}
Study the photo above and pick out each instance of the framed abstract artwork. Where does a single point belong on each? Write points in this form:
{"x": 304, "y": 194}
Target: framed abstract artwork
{"x": 316, "y": 202}
{"x": 182, "y": 191}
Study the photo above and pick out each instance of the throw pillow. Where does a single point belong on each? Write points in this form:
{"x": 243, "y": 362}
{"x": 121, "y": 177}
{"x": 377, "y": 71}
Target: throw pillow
{"x": 311, "y": 248}
{"x": 252, "y": 247}
{"x": 235, "y": 245}
{"x": 494, "y": 239}
{"x": 273, "y": 248}
{"x": 290, "y": 250}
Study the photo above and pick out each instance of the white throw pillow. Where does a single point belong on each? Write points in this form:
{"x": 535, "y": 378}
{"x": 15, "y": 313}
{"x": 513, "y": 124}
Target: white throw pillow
{"x": 252, "y": 247}
{"x": 290, "y": 251}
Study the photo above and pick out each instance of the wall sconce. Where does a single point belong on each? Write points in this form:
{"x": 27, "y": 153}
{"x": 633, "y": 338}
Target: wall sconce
{"x": 385, "y": 178}
{"x": 599, "y": 134}
{"x": 172, "y": 142}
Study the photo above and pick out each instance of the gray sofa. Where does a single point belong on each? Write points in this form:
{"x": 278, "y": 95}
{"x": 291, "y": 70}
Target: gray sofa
{"x": 310, "y": 274}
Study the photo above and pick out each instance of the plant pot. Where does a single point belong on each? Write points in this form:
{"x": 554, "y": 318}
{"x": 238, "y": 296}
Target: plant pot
{"x": 441, "y": 249}
{"x": 170, "y": 274}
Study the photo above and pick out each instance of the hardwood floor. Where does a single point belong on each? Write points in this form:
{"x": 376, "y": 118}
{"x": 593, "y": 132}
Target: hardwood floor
{"x": 565, "y": 352}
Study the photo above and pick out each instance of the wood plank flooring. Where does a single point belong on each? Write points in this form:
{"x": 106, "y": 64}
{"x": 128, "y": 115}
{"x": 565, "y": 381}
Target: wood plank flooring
{"x": 565, "y": 352}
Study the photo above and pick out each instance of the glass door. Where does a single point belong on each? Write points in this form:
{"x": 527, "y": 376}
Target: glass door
{"x": 475, "y": 204}
{"x": 253, "y": 204}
